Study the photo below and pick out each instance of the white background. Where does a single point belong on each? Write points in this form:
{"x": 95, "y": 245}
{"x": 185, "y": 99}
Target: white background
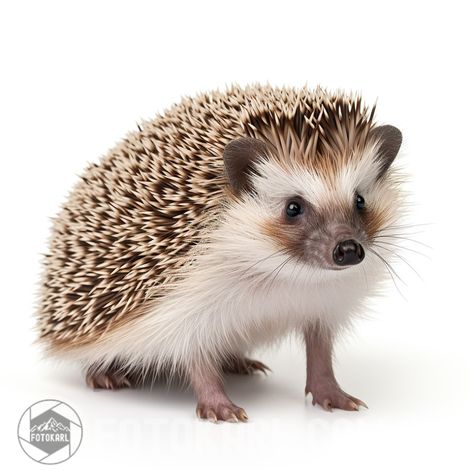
{"x": 76, "y": 76}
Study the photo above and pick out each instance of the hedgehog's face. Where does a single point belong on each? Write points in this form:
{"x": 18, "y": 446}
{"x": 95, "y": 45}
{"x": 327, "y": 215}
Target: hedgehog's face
{"x": 326, "y": 215}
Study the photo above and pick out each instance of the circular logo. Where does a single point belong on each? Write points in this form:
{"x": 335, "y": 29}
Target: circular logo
{"x": 50, "y": 431}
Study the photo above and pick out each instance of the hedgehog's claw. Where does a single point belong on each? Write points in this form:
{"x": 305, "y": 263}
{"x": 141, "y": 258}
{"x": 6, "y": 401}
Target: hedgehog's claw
{"x": 246, "y": 366}
{"x": 329, "y": 396}
{"x": 107, "y": 380}
{"x": 221, "y": 412}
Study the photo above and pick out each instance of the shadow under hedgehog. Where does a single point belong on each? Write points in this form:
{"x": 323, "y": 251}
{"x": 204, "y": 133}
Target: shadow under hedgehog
{"x": 231, "y": 220}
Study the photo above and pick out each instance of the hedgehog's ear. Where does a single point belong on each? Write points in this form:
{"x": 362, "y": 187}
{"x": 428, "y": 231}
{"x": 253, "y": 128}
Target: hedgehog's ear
{"x": 389, "y": 139}
{"x": 240, "y": 155}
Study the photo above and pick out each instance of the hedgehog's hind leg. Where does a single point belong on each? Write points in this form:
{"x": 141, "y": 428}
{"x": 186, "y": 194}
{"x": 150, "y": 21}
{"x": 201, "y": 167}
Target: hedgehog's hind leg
{"x": 112, "y": 377}
{"x": 244, "y": 366}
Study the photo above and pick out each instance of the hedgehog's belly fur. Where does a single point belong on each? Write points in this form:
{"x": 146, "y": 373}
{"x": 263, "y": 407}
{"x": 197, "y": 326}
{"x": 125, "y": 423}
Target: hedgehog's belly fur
{"x": 206, "y": 321}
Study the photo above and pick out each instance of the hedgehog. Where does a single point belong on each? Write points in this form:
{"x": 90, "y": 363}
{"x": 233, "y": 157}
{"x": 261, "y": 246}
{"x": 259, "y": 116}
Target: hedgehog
{"x": 230, "y": 221}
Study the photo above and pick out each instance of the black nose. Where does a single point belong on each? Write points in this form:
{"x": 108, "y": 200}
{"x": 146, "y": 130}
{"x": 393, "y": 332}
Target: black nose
{"x": 348, "y": 252}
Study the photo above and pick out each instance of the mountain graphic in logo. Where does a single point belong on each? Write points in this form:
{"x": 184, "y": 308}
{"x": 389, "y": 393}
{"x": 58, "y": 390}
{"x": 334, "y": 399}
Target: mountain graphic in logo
{"x": 51, "y": 425}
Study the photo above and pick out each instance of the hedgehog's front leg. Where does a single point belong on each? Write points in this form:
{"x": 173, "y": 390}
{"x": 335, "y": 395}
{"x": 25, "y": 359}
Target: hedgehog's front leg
{"x": 213, "y": 403}
{"x": 320, "y": 380}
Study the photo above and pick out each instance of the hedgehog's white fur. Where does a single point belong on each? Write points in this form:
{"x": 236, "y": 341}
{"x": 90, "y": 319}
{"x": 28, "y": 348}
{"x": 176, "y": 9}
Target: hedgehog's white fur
{"x": 229, "y": 300}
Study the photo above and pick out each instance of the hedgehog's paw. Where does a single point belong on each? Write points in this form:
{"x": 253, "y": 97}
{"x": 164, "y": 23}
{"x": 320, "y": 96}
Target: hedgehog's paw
{"x": 245, "y": 366}
{"x": 329, "y": 395}
{"x": 108, "y": 380}
{"x": 225, "y": 411}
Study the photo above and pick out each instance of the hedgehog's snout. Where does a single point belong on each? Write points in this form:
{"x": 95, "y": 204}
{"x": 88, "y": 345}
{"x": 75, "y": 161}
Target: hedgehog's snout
{"x": 348, "y": 252}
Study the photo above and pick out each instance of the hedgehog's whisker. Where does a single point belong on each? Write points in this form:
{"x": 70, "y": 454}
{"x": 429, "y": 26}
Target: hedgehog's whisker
{"x": 405, "y": 226}
{"x": 387, "y": 264}
{"x": 275, "y": 272}
{"x": 401, "y": 230}
{"x": 405, "y": 233}
{"x": 399, "y": 256}
{"x": 390, "y": 270}
{"x": 280, "y": 251}
{"x": 408, "y": 235}
{"x": 401, "y": 247}
{"x": 401, "y": 237}
{"x": 365, "y": 275}
{"x": 282, "y": 265}
{"x": 297, "y": 264}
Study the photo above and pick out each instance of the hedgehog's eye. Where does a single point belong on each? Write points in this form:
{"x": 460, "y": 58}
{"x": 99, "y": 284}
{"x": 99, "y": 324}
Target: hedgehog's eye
{"x": 360, "y": 202}
{"x": 293, "y": 209}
